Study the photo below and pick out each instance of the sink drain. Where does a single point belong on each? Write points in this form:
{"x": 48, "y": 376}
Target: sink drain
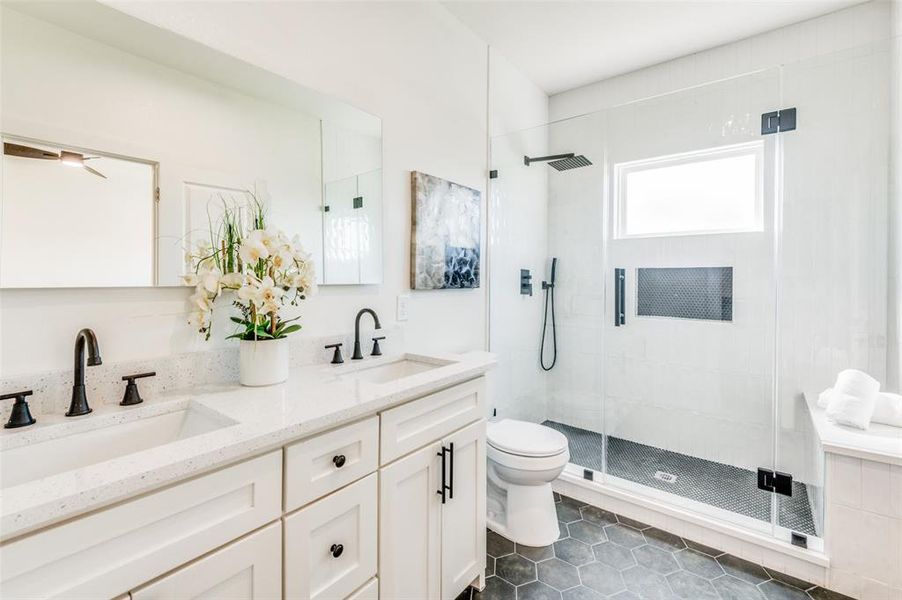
{"x": 665, "y": 477}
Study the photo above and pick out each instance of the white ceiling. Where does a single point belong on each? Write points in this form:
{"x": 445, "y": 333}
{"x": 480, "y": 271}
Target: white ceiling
{"x": 566, "y": 44}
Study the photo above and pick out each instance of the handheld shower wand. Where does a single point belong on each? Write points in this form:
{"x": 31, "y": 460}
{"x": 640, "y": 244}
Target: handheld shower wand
{"x": 548, "y": 287}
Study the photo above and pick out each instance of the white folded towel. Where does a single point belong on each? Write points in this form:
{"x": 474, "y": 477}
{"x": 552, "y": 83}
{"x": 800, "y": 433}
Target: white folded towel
{"x": 888, "y": 409}
{"x": 853, "y": 399}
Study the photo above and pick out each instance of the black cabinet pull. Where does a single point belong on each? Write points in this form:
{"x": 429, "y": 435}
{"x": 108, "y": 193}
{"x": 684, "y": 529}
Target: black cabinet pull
{"x": 451, "y": 468}
{"x": 446, "y": 490}
{"x": 339, "y": 461}
{"x": 336, "y": 550}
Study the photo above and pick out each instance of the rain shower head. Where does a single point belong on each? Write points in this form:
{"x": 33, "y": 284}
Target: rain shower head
{"x": 561, "y": 162}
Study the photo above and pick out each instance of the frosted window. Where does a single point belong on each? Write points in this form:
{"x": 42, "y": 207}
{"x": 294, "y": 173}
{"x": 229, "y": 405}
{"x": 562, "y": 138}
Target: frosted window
{"x": 710, "y": 191}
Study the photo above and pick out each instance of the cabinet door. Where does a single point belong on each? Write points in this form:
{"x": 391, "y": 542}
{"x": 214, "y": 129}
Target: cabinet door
{"x": 410, "y": 527}
{"x": 249, "y": 569}
{"x": 330, "y": 546}
{"x": 463, "y": 515}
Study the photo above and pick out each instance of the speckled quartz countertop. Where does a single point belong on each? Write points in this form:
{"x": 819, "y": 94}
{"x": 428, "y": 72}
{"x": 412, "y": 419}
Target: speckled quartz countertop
{"x": 252, "y": 421}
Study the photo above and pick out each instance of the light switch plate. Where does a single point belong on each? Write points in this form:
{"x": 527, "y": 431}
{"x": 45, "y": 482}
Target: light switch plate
{"x": 403, "y": 306}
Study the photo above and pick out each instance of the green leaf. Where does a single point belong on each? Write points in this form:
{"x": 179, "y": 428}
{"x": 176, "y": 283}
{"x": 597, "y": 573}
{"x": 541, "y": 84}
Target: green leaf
{"x": 289, "y": 329}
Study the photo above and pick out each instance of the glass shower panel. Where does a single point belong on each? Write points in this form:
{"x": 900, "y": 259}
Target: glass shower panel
{"x": 832, "y": 282}
{"x": 517, "y": 241}
{"x": 576, "y": 240}
{"x": 687, "y": 361}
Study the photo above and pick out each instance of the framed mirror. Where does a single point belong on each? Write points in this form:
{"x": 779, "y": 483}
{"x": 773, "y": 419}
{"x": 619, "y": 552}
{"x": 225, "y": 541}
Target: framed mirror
{"x": 123, "y": 142}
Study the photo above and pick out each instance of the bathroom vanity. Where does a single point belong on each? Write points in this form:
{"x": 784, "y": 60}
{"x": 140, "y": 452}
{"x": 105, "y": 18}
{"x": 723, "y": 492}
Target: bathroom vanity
{"x": 354, "y": 481}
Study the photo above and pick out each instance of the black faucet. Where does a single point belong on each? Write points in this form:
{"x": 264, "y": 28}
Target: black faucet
{"x": 79, "y": 405}
{"x": 357, "y": 353}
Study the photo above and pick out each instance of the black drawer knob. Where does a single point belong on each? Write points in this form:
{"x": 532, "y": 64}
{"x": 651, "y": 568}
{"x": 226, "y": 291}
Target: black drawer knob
{"x": 336, "y": 550}
{"x": 339, "y": 461}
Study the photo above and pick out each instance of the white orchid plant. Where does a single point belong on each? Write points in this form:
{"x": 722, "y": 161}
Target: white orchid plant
{"x": 263, "y": 267}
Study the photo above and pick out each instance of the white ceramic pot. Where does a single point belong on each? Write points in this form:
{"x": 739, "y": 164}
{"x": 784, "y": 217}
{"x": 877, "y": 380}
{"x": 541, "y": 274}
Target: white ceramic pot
{"x": 263, "y": 362}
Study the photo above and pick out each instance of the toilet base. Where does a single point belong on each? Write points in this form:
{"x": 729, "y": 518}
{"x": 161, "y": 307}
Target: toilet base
{"x": 524, "y": 514}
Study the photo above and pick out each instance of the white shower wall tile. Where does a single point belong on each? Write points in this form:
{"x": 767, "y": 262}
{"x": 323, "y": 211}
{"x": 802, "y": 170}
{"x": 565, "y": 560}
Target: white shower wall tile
{"x": 864, "y": 526}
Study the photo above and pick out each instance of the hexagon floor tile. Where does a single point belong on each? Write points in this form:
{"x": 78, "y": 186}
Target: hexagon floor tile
{"x": 603, "y": 556}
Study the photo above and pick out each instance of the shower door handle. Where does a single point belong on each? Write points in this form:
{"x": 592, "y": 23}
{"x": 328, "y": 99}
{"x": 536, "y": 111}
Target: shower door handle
{"x": 619, "y": 297}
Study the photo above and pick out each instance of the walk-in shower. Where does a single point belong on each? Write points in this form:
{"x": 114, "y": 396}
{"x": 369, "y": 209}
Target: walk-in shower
{"x": 699, "y": 290}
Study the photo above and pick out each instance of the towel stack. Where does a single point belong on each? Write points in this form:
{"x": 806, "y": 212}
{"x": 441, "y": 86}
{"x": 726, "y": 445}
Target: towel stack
{"x": 856, "y": 400}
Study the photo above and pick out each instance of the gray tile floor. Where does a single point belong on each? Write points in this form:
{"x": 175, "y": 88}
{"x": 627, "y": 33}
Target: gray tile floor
{"x": 601, "y": 555}
{"x": 717, "y": 484}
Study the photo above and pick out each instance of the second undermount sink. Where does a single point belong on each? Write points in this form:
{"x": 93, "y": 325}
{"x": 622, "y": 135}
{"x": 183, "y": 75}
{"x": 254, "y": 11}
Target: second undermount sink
{"x": 387, "y": 372}
{"x": 95, "y": 445}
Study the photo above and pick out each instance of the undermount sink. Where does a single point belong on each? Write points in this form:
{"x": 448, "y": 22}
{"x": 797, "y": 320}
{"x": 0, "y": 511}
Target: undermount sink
{"x": 393, "y": 371}
{"x": 76, "y": 450}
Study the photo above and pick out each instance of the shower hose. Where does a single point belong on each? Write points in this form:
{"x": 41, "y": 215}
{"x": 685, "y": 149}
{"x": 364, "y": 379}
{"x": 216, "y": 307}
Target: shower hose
{"x": 549, "y": 299}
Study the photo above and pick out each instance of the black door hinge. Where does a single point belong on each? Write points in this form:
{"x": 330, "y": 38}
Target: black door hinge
{"x": 493, "y": 174}
{"x": 778, "y": 121}
{"x": 774, "y": 481}
{"x": 358, "y": 202}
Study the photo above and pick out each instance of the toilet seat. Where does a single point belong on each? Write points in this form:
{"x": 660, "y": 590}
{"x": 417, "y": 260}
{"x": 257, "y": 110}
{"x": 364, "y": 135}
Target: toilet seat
{"x": 524, "y": 439}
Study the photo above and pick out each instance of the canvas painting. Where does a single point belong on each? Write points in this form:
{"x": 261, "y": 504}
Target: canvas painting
{"x": 446, "y": 232}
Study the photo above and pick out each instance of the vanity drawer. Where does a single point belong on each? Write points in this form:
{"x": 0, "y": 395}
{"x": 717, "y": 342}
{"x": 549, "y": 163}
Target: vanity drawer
{"x": 116, "y": 549}
{"x": 420, "y": 422}
{"x": 248, "y": 569}
{"x": 315, "y": 568}
{"x": 312, "y": 466}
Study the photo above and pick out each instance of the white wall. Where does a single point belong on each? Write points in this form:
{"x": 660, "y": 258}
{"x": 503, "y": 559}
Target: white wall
{"x": 412, "y": 64}
{"x": 517, "y": 239}
{"x": 834, "y": 232}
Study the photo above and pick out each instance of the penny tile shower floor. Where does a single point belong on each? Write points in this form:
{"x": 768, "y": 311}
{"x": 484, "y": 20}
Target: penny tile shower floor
{"x": 601, "y": 555}
{"x": 724, "y": 486}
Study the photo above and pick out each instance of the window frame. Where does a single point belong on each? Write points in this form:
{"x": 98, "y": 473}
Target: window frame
{"x": 622, "y": 170}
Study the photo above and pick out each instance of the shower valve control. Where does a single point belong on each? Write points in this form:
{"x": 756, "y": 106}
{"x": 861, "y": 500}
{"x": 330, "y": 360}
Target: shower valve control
{"x": 525, "y": 282}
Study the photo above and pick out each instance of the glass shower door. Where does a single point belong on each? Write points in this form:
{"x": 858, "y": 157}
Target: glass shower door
{"x": 691, "y": 200}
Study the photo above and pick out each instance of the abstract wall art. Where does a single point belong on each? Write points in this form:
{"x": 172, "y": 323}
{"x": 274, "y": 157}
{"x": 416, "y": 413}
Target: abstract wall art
{"x": 446, "y": 234}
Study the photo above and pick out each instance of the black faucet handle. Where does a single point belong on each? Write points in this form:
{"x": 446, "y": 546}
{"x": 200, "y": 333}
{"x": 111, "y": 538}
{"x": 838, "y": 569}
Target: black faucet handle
{"x": 20, "y": 415}
{"x": 138, "y": 376}
{"x": 377, "y": 351}
{"x": 132, "y": 396}
{"x": 336, "y": 356}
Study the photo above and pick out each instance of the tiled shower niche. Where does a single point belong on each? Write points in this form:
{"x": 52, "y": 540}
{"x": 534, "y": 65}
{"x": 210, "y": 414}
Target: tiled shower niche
{"x": 703, "y": 293}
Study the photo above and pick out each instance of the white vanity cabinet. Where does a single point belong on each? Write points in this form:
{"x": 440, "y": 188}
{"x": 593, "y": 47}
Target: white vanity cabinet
{"x": 432, "y": 544}
{"x": 390, "y": 506}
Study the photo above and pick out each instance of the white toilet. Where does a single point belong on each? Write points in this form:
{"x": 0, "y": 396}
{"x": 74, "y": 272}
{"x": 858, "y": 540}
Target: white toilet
{"x": 523, "y": 459}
